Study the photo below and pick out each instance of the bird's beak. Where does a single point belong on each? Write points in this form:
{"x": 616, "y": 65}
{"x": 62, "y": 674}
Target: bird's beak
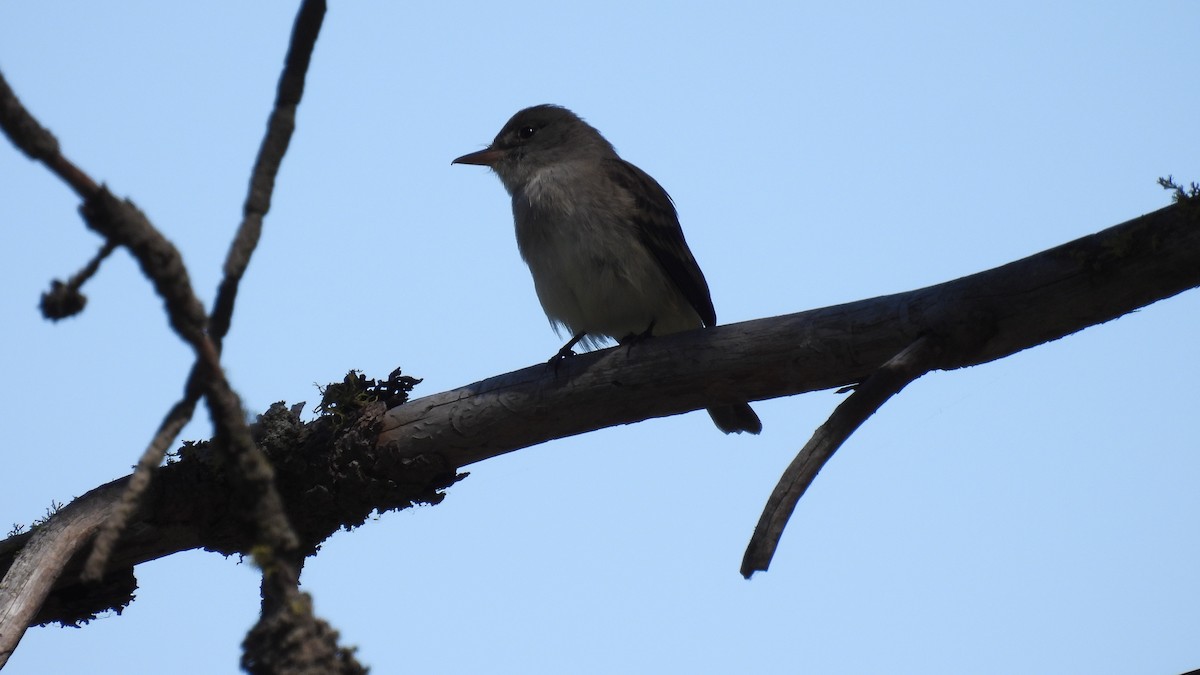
{"x": 485, "y": 157}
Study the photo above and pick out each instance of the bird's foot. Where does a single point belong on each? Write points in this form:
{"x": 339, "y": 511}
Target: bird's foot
{"x": 562, "y": 355}
{"x": 636, "y": 338}
{"x": 565, "y": 353}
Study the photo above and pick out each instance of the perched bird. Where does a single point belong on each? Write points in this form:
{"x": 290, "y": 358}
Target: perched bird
{"x": 601, "y": 238}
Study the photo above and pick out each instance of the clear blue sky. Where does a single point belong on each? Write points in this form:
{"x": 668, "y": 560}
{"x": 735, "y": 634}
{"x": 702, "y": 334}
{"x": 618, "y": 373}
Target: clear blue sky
{"x": 1035, "y": 515}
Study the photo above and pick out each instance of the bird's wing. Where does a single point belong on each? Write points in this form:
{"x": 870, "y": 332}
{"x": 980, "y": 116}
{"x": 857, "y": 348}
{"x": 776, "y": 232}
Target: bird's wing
{"x": 658, "y": 229}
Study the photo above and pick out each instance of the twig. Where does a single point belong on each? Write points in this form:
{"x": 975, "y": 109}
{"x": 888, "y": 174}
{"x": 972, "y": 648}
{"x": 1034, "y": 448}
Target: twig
{"x": 262, "y": 179}
{"x": 121, "y": 223}
{"x": 38, "y": 143}
{"x": 258, "y": 201}
{"x": 908, "y": 365}
{"x": 110, "y": 531}
{"x": 288, "y": 637}
{"x": 65, "y": 299}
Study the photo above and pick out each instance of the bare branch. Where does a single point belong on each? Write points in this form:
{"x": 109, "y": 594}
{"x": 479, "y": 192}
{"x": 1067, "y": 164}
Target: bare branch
{"x": 258, "y": 201}
{"x": 331, "y": 473}
{"x": 979, "y": 318}
{"x": 151, "y": 459}
{"x": 121, "y": 223}
{"x": 38, "y": 143}
{"x": 255, "y": 498}
{"x": 262, "y": 179}
{"x": 65, "y": 299}
{"x": 40, "y": 563}
{"x": 38, "y": 566}
{"x": 916, "y": 360}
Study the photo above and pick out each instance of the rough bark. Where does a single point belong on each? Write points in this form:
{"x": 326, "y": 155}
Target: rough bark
{"x": 334, "y": 471}
{"x": 978, "y": 318}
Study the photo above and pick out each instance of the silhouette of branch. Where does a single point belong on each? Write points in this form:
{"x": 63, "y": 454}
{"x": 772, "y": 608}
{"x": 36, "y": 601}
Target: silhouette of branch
{"x": 916, "y": 360}
{"x": 122, "y": 224}
{"x": 975, "y": 319}
{"x": 979, "y": 318}
{"x": 280, "y": 126}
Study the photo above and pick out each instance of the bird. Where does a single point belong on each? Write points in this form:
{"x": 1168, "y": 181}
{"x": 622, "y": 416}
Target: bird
{"x": 601, "y": 238}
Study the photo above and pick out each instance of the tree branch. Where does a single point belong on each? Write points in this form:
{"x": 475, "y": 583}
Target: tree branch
{"x": 978, "y": 318}
{"x": 908, "y": 365}
{"x": 121, "y": 223}
{"x": 419, "y": 445}
{"x": 280, "y": 126}
{"x": 44, "y": 555}
{"x": 38, "y": 143}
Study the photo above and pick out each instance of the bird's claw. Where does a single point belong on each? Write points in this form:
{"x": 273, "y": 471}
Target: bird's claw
{"x": 562, "y": 355}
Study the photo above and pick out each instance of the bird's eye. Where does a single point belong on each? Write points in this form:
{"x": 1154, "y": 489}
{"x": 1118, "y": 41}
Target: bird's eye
{"x": 525, "y": 133}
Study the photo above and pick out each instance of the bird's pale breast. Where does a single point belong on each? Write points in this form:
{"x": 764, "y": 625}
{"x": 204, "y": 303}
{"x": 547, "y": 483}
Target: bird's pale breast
{"x": 591, "y": 272}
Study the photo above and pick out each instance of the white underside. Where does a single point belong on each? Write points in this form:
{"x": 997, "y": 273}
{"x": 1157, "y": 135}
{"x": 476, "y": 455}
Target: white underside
{"x": 593, "y": 275}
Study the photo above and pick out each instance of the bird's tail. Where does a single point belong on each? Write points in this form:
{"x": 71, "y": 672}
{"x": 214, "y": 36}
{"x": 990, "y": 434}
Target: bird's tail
{"x": 735, "y": 418}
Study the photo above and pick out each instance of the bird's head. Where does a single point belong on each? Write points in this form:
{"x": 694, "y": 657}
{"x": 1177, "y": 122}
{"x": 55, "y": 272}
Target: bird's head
{"x": 537, "y": 138}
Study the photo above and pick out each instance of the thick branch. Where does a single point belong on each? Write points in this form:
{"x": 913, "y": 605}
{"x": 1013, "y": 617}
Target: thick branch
{"x": 39, "y": 566}
{"x": 978, "y": 318}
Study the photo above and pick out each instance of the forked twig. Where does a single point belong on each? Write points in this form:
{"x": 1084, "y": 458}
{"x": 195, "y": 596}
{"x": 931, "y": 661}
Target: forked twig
{"x": 122, "y": 224}
{"x": 280, "y": 126}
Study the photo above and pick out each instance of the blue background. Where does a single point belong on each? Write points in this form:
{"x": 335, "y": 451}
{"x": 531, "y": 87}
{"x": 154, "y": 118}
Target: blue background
{"x": 1037, "y": 514}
